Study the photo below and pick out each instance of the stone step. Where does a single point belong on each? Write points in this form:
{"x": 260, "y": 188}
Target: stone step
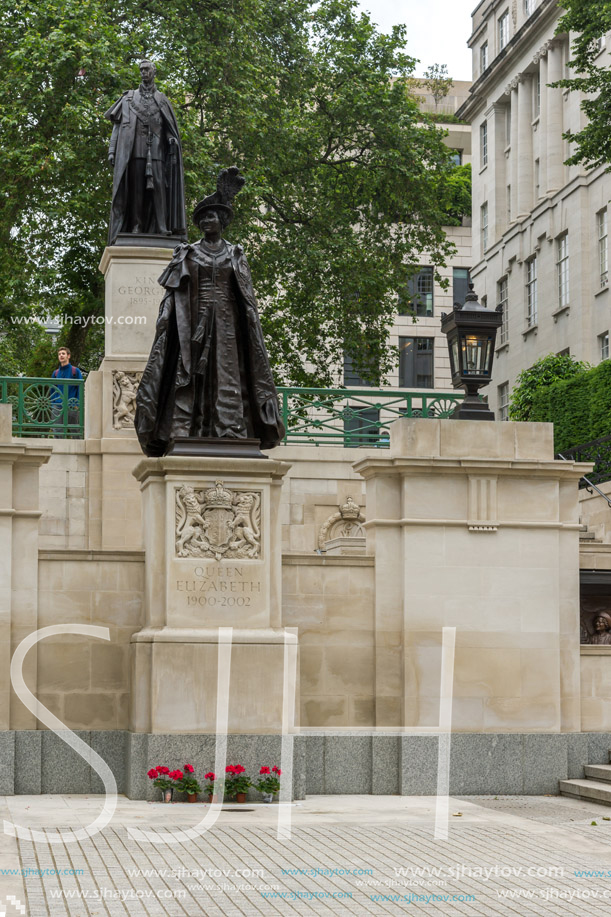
{"x": 592, "y": 790}
{"x": 598, "y": 772}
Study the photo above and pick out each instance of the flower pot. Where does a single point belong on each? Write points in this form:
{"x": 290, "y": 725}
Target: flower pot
{"x": 191, "y": 797}
{"x": 268, "y": 797}
{"x": 240, "y": 797}
{"x": 166, "y": 795}
{"x": 212, "y": 797}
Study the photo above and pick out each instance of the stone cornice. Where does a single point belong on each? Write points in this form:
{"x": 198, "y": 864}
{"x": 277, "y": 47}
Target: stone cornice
{"x": 546, "y": 13}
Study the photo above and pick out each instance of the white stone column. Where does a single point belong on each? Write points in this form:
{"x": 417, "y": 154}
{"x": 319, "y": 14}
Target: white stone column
{"x": 497, "y": 117}
{"x": 515, "y": 162}
{"x": 525, "y": 146}
{"x": 543, "y": 126}
{"x": 555, "y": 143}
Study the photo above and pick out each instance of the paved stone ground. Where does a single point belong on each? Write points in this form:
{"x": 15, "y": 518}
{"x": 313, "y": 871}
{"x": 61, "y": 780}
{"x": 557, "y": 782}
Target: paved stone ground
{"x": 509, "y": 856}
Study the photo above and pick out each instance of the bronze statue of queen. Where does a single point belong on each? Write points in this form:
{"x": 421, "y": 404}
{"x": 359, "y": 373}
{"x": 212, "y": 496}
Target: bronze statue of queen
{"x": 208, "y": 375}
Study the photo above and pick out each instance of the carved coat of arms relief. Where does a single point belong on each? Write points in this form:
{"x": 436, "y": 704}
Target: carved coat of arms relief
{"x": 218, "y": 522}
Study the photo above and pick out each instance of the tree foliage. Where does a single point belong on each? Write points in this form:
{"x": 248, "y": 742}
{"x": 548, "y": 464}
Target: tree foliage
{"x": 458, "y": 202}
{"x": 590, "y": 20}
{"x": 437, "y": 81}
{"x": 579, "y": 407}
{"x": 345, "y": 175}
{"x": 544, "y": 372}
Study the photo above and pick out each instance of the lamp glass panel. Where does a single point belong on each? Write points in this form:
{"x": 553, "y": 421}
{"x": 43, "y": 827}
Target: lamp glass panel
{"x": 455, "y": 365}
{"x": 476, "y": 351}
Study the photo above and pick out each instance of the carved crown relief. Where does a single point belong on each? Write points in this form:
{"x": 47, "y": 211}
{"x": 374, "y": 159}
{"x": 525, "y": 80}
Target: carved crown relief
{"x": 124, "y": 391}
{"x": 347, "y": 523}
{"x": 218, "y": 522}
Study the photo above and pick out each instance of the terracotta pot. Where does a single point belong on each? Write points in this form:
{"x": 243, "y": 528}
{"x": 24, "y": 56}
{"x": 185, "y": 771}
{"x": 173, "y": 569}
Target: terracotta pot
{"x": 191, "y": 797}
{"x": 240, "y": 797}
{"x": 166, "y": 795}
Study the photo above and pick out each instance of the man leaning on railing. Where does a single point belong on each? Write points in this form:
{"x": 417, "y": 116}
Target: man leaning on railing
{"x": 65, "y": 370}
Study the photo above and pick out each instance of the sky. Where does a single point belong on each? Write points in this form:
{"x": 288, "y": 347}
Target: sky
{"x": 437, "y": 30}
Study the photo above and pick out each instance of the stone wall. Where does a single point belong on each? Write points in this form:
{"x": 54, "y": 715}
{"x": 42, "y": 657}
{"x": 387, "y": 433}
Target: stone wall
{"x": 82, "y": 680}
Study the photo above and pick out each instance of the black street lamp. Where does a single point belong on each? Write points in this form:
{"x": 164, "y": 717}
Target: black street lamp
{"x": 471, "y": 331}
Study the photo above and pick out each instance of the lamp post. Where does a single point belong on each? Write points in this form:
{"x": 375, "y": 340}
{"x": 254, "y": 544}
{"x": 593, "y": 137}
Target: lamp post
{"x": 471, "y": 331}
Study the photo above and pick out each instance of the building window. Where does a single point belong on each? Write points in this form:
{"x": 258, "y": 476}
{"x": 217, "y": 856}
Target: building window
{"x": 420, "y": 293}
{"x": 416, "y": 362}
{"x": 483, "y": 144}
{"x": 529, "y": 7}
{"x": 508, "y": 126}
{"x": 362, "y": 427}
{"x": 351, "y": 377}
{"x": 603, "y": 345}
{"x": 456, "y": 157}
{"x": 537, "y": 178}
{"x": 502, "y": 301}
{"x": 562, "y": 269}
{"x": 484, "y": 225}
{"x": 537, "y": 99}
{"x": 509, "y": 203}
{"x": 483, "y": 57}
{"x": 531, "y": 292}
{"x": 503, "y": 396}
{"x": 503, "y": 30}
{"x": 603, "y": 258}
{"x": 460, "y": 284}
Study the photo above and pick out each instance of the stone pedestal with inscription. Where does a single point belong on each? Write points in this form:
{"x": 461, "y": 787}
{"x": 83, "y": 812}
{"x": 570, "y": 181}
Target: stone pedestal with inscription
{"x": 213, "y": 559}
{"x": 132, "y": 299}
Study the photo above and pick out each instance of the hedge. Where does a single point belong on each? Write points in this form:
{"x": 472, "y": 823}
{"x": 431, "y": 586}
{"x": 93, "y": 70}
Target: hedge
{"x": 579, "y": 408}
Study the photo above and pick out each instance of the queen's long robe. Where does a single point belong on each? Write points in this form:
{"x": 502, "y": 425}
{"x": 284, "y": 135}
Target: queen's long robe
{"x": 208, "y": 373}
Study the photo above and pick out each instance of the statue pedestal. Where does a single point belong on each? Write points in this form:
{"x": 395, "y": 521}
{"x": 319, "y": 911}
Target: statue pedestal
{"x": 132, "y": 297}
{"x": 132, "y": 304}
{"x": 213, "y": 559}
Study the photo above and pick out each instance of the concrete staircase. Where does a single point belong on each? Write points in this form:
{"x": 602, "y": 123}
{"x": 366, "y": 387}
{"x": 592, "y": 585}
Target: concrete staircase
{"x": 596, "y": 787}
{"x": 586, "y": 534}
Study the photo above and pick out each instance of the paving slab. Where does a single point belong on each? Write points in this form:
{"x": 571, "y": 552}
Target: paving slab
{"x": 494, "y": 856}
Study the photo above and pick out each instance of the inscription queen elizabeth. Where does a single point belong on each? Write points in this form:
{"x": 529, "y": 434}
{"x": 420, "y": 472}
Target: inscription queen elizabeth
{"x": 218, "y": 522}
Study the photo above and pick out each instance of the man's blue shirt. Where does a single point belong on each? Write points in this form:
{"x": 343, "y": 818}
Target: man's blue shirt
{"x": 65, "y": 372}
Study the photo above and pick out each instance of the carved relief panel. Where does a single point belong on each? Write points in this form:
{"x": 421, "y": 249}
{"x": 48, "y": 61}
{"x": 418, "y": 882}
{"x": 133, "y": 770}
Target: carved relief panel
{"x": 217, "y": 522}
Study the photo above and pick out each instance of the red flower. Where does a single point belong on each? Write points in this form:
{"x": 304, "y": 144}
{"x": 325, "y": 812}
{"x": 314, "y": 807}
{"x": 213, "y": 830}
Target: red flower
{"x": 239, "y": 769}
{"x": 163, "y": 770}
{"x": 276, "y": 770}
{"x": 230, "y": 769}
{"x": 264, "y": 770}
{"x": 209, "y": 776}
{"x": 176, "y": 775}
{"x": 152, "y": 773}
{"x": 189, "y": 768}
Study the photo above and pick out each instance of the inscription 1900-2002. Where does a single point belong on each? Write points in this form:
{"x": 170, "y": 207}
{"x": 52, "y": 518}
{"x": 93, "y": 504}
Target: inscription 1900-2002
{"x": 223, "y": 588}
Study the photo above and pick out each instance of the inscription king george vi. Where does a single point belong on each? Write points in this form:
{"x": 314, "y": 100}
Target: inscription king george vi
{"x": 218, "y": 522}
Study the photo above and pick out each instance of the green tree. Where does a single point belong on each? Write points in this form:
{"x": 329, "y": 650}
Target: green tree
{"x": 544, "y": 372}
{"x": 590, "y": 19}
{"x": 346, "y": 176}
{"x": 458, "y": 189}
{"x": 437, "y": 81}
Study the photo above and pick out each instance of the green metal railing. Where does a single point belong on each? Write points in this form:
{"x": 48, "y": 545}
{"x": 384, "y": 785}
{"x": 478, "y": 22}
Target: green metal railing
{"x": 45, "y": 407}
{"x": 312, "y": 416}
{"x": 355, "y": 417}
